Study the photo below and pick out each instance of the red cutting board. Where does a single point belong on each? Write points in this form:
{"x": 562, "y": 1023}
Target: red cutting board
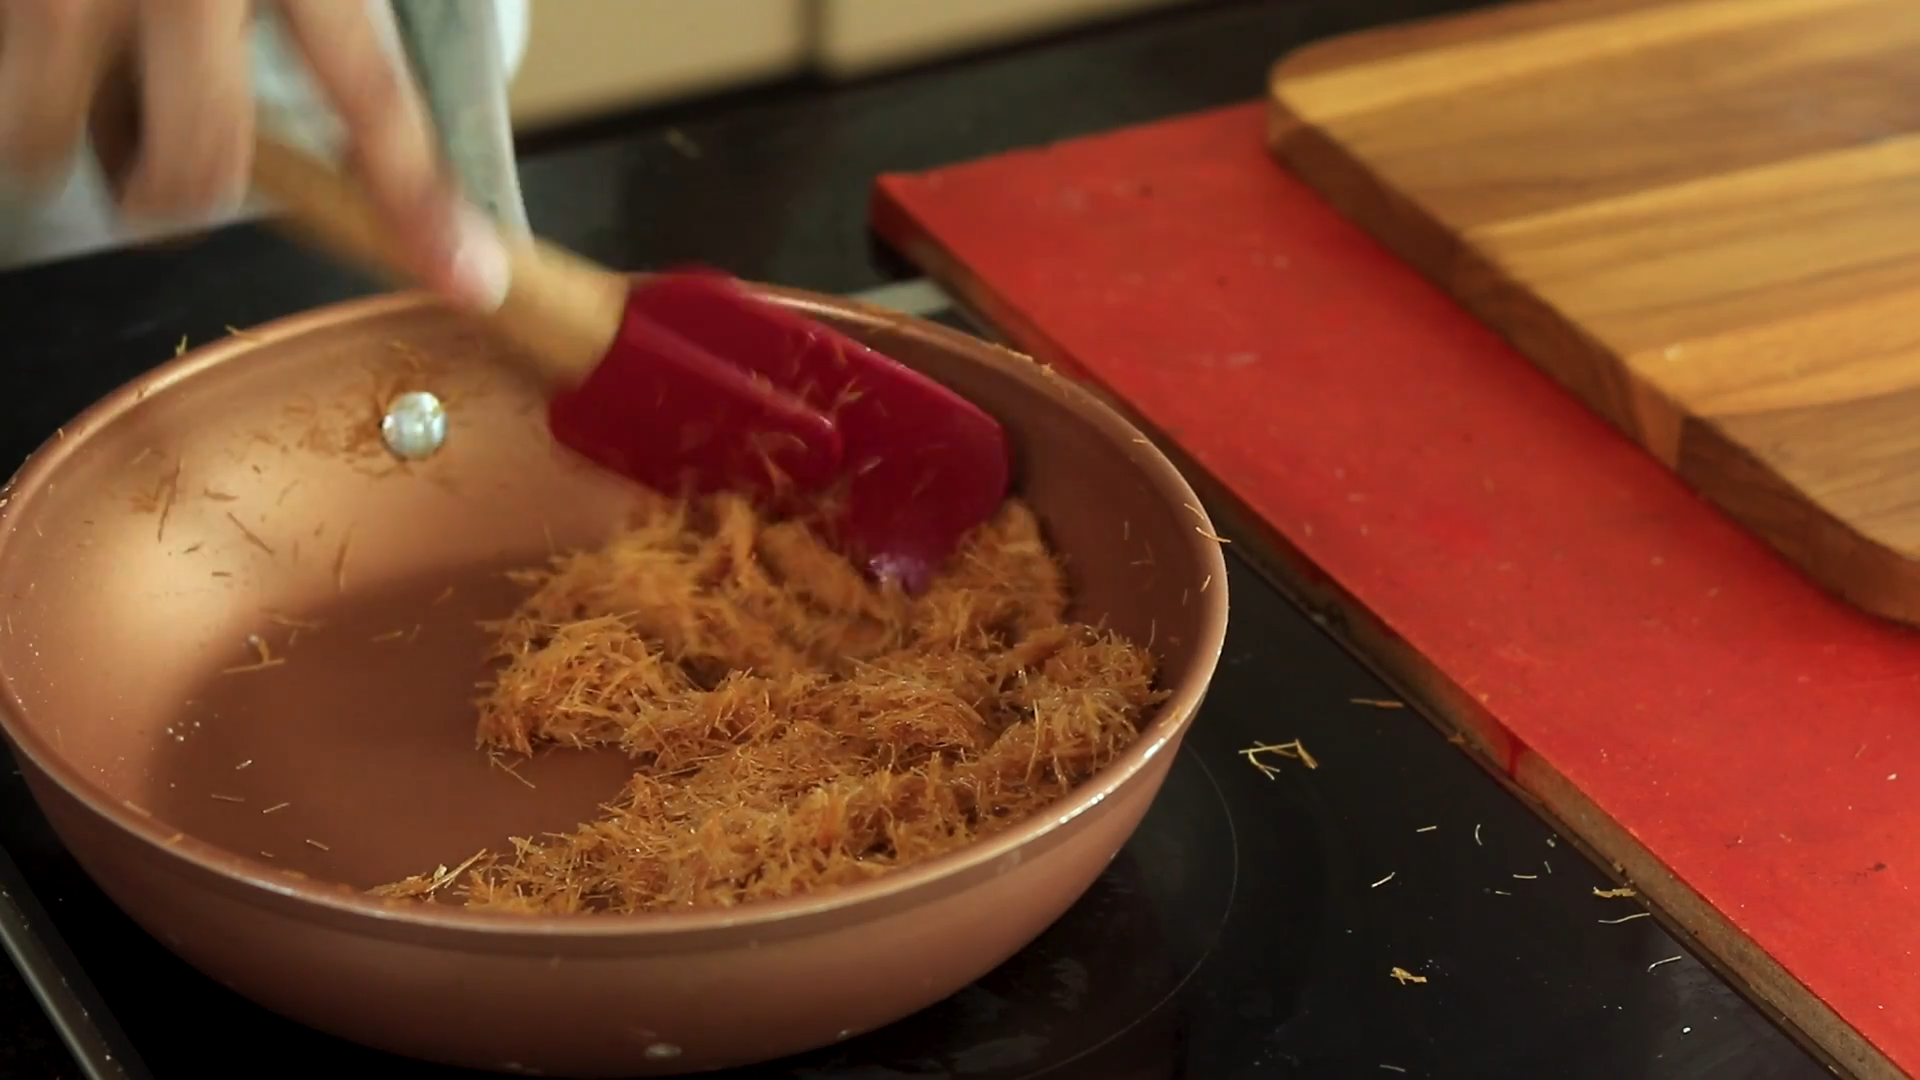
{"x": 1744, "y": 745}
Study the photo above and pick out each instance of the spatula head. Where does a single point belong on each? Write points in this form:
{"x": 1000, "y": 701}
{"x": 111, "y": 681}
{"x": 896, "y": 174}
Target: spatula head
{"x": 668, "y": 413}
{"x": 922, "y": 466}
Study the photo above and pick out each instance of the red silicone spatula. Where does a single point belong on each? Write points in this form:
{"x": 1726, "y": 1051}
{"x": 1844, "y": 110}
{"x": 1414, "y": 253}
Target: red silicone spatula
{"x": 923, "y": 466}
{"x": 690, "y": 382}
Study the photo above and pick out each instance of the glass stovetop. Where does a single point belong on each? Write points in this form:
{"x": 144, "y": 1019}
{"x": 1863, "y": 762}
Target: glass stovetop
{"x": 1248, "y": 930}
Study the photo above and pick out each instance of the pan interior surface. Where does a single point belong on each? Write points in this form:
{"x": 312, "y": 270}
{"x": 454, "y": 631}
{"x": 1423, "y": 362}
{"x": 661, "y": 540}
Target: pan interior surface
{"x": 236, "y": 614}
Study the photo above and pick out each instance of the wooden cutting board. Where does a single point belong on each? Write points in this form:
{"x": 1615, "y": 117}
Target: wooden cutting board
{"x": 1700, "y": 216}
{"x": 1741, "y": 743}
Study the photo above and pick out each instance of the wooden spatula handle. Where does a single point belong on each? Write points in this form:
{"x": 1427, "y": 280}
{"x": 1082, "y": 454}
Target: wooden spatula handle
{"x": 560, "y": 309}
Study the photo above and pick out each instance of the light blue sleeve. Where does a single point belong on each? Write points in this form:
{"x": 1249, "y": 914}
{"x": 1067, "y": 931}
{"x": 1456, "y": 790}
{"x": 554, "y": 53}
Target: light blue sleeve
{"x": 516, "y": 26}
{"x": 294, "y": 108}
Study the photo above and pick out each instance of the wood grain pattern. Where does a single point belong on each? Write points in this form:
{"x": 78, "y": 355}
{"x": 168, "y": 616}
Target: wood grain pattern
{"x": 1733, "y": 738}
{"x": 1701, "y": 216}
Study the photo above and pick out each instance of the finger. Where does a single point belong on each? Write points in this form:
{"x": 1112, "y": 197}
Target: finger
{"x": 114, "y": 123}
{"x": 196, "y": 97}
{"x": 392, "y": 146}
{"x": 51, "y": 55}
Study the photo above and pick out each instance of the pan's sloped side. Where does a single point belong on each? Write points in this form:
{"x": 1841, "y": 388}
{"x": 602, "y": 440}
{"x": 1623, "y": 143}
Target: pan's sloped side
{"x": 655, "y": 1005}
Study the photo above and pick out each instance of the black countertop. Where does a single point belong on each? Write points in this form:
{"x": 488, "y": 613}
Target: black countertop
{"x": 773, "y": 185}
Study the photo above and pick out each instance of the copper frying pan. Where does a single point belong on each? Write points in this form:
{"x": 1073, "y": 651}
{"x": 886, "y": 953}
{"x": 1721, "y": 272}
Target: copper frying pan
{"x": 240, "y": 496}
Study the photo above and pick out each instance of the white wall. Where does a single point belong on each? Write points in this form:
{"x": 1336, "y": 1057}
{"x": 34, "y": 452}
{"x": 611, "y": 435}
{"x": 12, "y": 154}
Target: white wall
{"x": 590, "y": 57}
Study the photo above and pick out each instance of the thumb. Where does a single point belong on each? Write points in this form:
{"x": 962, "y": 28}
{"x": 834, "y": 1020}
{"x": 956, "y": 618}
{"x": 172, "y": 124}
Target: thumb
{"x": 456, "y": 250}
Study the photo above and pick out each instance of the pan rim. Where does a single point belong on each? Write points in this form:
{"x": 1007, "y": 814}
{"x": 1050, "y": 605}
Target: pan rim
{"x": 313, "y": 899}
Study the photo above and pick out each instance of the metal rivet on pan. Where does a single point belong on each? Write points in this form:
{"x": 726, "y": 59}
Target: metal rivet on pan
{"x": 415, "y": 425}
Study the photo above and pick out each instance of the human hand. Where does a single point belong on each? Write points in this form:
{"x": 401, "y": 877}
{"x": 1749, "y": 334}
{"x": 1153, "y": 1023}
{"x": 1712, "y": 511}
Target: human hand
{"x": 166, "y": 88}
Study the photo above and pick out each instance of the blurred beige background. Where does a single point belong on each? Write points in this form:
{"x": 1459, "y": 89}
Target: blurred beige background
{"x": 590, "y": 57}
